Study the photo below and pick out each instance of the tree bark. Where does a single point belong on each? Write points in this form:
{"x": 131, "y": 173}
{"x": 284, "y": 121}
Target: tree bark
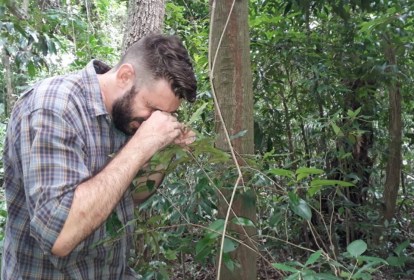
{"x": 393, "y": 169}
{"x": 232, "y": 81}
{"x": 144, "y": 17}
{"x": 10, "y": 97}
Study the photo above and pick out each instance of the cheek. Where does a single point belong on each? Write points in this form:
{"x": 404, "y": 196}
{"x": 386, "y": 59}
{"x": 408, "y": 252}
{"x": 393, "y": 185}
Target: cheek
{"x": 134, "y": 125}
{"x": 145, "y": 113}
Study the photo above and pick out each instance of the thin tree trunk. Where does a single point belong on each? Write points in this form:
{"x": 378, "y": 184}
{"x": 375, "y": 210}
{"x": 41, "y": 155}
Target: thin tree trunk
{"x": 287, "y": 121}
{"x": 303, "y": 131}
{"x": 232, "y": 81}
{"x": 393, "y": 169}
{"x": 10, "y": 97}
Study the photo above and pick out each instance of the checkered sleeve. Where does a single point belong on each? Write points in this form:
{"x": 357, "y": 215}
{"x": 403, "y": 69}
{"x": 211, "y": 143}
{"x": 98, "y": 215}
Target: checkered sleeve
{"x": 56, "y": 165}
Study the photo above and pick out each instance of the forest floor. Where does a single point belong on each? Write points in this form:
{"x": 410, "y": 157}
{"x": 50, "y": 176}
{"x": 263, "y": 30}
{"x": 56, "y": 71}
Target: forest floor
{"x": 191, "y": 271}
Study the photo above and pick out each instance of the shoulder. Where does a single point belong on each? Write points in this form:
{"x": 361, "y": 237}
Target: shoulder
{"x": 61, "y": 95}
{"x": 57, "y": 93}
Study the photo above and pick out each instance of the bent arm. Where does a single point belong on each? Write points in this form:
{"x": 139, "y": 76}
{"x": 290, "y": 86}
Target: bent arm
{"x": 95, "y": 198}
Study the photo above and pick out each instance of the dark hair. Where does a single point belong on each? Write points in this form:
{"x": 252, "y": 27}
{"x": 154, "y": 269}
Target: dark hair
{"x": 164, "y": 57}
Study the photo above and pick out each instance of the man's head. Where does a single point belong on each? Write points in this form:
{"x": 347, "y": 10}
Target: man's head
{"x": 159, "y": 73}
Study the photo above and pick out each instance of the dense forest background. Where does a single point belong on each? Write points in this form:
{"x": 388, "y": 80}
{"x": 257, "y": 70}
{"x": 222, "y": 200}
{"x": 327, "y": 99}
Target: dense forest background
{"x": 328, "y": 186}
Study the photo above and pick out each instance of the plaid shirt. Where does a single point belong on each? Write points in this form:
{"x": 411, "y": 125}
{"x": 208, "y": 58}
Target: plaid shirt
{"x": 59, "y": 135}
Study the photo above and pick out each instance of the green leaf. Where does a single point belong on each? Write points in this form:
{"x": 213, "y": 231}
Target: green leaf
{"x": 313, "y": 258}
{"x": 281, "y": 172}
{"x": 357, "y": 248}
{"x": 321, "y": 182}
{"x": 371, "y": 262}
{"x": 170, "y": 255}
{"x": 301, "y": 176}
{"x": 216, "y": 229}
{"x": 353, "y": 114}
{"x": 337, "y": 130}
{"x": 113, "y": 225}
{"x": 294, "y": 276}
{"x": 396, "y": 261}
{"x": 228, "y": 262}
{"x": 284, "y": 267}
{"x": 371, "y": 259}
{"x": 302, "y": 209}
{"x": 293, "y": 198}
{"x": 204, "y": 248}
{"x": 309, "y": 171}
{"x": 229, "y": 245}
{"x": 313, "y": 190}
{"x": 400, "y": 248}
{"x": 197, "y": 114}
{"x": 31, "y": 69}
{"x": 242, "y": 222}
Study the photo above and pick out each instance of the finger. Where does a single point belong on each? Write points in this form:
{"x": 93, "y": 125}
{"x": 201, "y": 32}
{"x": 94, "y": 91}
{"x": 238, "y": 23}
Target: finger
{"x": 190, "y": 134}
{"x": 184, "y": 141}
{"x": 180, "y": 127}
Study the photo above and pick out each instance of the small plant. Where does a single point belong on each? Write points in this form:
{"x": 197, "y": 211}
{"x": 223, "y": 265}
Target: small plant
{"x": 400, "y": 258}
{"x": 353, "y": 265}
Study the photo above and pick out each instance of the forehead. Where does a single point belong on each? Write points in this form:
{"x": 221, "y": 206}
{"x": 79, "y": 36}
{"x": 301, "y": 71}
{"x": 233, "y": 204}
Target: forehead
{"x": 160, "y": 96}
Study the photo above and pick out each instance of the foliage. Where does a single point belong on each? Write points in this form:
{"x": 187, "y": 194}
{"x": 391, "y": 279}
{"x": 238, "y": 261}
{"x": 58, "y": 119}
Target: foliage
{"x": 52, "y": 38}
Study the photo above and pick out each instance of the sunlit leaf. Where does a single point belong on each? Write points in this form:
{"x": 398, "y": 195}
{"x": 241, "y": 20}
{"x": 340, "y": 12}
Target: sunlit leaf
{"x": 357, "y": 248}
{"x": 241, "y": 221}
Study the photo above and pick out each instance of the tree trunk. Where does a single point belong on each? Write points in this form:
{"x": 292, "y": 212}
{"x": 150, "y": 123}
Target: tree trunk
{"x": 232, "y": 80}
{"x": 144, "y": 17}
{"x": 393, "y": 169}
{"x": 10, "y": 97}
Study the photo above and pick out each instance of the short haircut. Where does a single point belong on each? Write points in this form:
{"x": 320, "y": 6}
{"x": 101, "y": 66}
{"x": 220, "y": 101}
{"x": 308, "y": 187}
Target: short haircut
{"x": 163, "y": 57}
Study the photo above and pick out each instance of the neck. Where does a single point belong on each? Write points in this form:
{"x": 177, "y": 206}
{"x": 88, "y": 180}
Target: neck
{"x": 104, "y": 85}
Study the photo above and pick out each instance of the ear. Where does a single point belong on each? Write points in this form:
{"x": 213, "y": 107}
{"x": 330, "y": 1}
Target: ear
{"x": 125, "y": 76}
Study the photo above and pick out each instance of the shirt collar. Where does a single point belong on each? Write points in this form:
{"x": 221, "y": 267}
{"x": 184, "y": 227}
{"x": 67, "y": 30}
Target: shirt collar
{"x": 95, "y": 103}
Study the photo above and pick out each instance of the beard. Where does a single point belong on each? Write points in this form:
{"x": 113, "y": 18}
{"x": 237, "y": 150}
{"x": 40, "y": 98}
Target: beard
{"x": 122, "y": 113}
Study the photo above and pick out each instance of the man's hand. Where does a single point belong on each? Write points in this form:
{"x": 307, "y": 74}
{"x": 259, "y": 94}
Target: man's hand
{"x": 158, "y": 131}
{"x": 186, "y": 137}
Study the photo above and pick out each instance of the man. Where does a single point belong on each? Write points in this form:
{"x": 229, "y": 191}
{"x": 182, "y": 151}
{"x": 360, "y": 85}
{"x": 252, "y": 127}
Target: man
{"x": 61, "y": 186}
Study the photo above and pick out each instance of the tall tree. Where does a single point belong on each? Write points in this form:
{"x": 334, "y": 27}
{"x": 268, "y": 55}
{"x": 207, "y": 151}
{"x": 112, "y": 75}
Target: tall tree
{"x": 232, "y": 81}
{"x": 393, "y": 169}
{"x": 144, "y": 17}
